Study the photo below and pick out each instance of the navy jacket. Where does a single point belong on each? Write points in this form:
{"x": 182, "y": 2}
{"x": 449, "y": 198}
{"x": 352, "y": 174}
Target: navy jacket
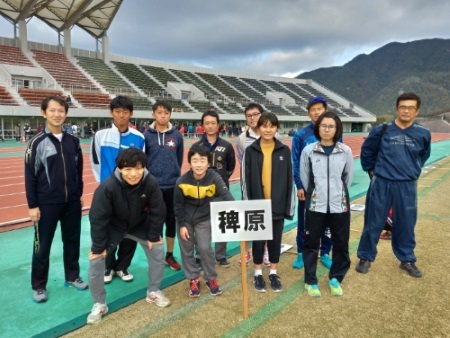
{"x": 402, "y": 152}
{"x": 53, "y": 169}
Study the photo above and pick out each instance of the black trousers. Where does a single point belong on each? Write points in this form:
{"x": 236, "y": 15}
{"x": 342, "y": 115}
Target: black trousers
{"x": 170, "y": 216}
{"x": 69, "y": 214}
{"x": 273, "y": 246}
{"x": 339, "y": 225}
{"x": 125, "y": 253}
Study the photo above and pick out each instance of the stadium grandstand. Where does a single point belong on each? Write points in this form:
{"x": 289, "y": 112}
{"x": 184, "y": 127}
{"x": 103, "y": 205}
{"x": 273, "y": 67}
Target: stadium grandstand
{"x": 30, "y": 71}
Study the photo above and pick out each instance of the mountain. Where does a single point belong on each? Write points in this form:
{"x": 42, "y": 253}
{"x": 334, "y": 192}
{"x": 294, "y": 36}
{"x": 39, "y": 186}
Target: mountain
{"x": 374, "y": 81}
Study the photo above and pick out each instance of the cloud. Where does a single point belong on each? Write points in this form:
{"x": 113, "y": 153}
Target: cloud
{"x": 265, "y": 37}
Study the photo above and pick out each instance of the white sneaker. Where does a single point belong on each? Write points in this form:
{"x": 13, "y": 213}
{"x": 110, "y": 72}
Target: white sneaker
{"x": 158, "y": 298}
{"x": 97, "y": 312}
{"x": 266, "y": 261}
{"x": 108, "y": 277}
{"x": 125, "y": 275}
{"x": 248, "y": 257}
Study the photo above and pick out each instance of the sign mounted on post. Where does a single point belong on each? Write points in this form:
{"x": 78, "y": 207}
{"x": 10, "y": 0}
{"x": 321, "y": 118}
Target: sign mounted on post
{"x": 233, "y": 221}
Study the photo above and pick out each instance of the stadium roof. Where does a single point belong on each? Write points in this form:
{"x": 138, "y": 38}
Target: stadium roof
{"x": 94, "y": 16}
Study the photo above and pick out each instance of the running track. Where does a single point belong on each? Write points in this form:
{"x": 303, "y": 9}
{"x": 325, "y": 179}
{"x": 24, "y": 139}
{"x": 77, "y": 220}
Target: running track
{"x": 13, "y": 205}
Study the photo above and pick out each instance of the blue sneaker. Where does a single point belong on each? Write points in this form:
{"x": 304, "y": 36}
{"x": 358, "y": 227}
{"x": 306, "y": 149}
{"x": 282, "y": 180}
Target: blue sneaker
{"x": 326, "y": 261}
{"x": 298, "y": 263}
{"x": 78, "y": 284}
{"x": 335, "y": 287}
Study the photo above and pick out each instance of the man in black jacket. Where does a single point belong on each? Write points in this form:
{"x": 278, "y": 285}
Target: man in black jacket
{"x": 54, "y": 186}
{"x": 128, "y": 204}
{"x": 223, "y": 161}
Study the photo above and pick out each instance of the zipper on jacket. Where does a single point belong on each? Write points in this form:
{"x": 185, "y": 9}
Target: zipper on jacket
{"x": 198, "y": 202}
{"x": 328, "y": 183}
{"x": 65, "y": 173}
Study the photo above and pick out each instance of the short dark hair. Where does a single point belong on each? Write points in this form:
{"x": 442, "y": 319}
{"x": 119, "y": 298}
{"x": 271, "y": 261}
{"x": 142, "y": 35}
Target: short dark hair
{"x": 163, "y": 104}
{"x": 211, "y": 113}
{"x": 121, "y": 101}
{"x": 314, "y": 100}
{"x": 268, "y": 117}
{"x": 131, "y": 157}
{"x": 201, "y": 150}
{"x": 59, "y": 99}
{"x": 409, "y": 96}
{"x": 252, "y": 106}
{"x": 335, "y": 117}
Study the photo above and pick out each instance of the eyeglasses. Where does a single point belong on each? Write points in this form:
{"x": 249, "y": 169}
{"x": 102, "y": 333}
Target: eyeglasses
{"x": 326, "y": 126}
{"x": 405, "y": 108}
{"x": 317, "y": 99}
{"x": 249, "y": 116}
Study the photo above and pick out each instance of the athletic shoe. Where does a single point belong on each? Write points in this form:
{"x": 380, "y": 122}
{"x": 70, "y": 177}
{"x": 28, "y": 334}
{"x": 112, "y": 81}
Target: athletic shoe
{"x": 198, "y": 262}
{"x": 387, "y": 235}
{"x": 78, "y": 284}
{"x": 194, "y": 288}
{"x": 326, "y": 261}
{"x": 214, "y": 287}
{"x": 108, "y": 277}
{"x": 313, "y": 290}
{"x": 158, "y": 298}
{"x": 40, "y": 296}
{"x": 97, "y": 312}
{"x": 172, "y": 263}
{"x": 298, "y": 263}
{"x": 224, "y": 263}
{"x": 266, "y": 261}
{"x": 259, "y": 283}
{"x": 247, "y": 259}
{"x": 275, "y": 282}
{"x": 363, "y": 266}
{"x": 125, "y": 275}
{"x": 411, "y": 268}
{"x": 335, "y": 287}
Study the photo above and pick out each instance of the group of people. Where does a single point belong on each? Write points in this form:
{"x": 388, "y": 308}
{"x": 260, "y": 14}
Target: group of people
{"x": 141, "y": 189}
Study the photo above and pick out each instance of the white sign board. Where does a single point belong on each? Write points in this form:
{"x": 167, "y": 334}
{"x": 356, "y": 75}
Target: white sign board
{"x": 233, "y": 221}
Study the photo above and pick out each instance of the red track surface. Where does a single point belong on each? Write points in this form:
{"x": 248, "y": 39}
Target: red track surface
{"x": 13, "y": 205}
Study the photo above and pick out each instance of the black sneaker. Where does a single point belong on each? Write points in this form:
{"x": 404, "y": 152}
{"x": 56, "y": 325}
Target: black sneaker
{"x": 275, "y": 282}
{"x": 363, "y": 266}
{"x": 411, "y": 268}
{"x": 260, "y": 284}
{"x": 223, "y": 263}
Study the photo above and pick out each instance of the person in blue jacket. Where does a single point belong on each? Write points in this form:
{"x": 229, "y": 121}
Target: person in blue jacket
{"x": 396, "y": 161}
{"x": 303, "y": 137}
{"x": 106, "y": 145}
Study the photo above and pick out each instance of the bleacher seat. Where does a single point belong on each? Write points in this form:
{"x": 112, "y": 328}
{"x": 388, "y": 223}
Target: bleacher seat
{"x": 34, "y": 97}
{"x": 6, "y": 99}
{"x": 14, "y": 56}
{"x": 64, "y": 72}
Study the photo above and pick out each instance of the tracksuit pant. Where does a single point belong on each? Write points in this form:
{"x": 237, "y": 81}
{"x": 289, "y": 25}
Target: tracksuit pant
{"x": 69, "y": 215}
{"x": 382, "y": 195}
{"x": 199, "y": 239}
{"x": 325, "y": 239}
{"x": 155, "y": 258}
{"x": 273, "y": 246}
{"x": 340, "y": 234}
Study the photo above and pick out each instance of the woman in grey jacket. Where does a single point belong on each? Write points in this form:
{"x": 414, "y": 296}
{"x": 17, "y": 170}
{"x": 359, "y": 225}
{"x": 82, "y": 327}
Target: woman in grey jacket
{"x": 326, "y": 174}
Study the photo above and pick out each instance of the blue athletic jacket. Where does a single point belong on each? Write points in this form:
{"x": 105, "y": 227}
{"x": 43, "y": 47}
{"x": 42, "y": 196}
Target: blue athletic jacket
{"x": 401, "y": 154}
{"x": 106, "y": 145}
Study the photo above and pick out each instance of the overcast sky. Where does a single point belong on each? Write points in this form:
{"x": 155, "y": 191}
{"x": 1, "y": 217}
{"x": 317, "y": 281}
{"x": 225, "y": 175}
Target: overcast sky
{"x": 283, "y": 37}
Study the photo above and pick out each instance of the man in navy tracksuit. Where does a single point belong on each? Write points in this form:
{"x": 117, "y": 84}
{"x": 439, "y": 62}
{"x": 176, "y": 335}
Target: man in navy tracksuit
{"x": 395, "y": 161}
{"x": 54, "y": 186}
